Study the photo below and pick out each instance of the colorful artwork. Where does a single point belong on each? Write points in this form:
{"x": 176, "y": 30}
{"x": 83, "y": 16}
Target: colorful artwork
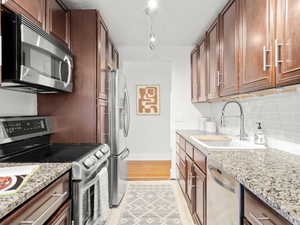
{"x": 148, "y": 100}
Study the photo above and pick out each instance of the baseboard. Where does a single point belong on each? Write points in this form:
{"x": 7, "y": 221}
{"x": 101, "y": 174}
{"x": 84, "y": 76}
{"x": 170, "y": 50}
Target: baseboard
{"x": 149, "y": 170}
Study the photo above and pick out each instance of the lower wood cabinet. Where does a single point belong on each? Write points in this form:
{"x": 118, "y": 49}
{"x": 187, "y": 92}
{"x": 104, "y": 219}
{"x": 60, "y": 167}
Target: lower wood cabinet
{"x": 63, "y": 216}
{"x": 48, "y": 205}
{"x": 199, "y": 196}
{"x": 258, "y": 213}
{"x": 191, "y": 176}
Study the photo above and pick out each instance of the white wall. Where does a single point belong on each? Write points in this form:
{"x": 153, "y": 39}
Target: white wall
{"x": 149, "y": 136}
{"x": 17, "y": 103}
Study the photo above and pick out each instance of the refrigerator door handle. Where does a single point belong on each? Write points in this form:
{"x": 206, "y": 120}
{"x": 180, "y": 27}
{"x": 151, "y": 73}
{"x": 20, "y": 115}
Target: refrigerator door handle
{"x": 126, "y": 113}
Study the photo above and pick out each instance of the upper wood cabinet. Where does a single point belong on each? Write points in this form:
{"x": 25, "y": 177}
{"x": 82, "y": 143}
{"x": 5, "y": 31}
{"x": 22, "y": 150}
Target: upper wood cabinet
{"x": 202, "y": 72}
{"x": 58, "y": 20}
{"x": 213, "y": 53}
{"x": 287, "y": 44}
{"x": 229, "y": 46}
{"x": 32, "y": 9}
{"x": 102, "y": 61}
{"x": 194, "y": 74}
{"x": 256, "y": 70}
{"x": 102, "y": 123}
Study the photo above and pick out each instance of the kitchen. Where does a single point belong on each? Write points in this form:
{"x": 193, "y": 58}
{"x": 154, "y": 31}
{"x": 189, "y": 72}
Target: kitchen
{"x": 149, "y": 112}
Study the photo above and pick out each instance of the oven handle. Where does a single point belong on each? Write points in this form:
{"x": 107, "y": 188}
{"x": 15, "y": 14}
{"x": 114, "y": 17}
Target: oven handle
{"x": 45, "y": 215}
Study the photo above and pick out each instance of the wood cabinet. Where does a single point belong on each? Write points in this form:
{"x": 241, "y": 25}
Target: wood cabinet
{"x": 192, "y": 178}
{"x": 58, "y": 20}
{"x": 213, "y": 53}
{"x": 194, "y": 75}
{"x": 258, "y": 213}
{"x": 32, "y": 9}
{"x": 200, "y": 196}
{"x": 102, "y": 123}
{"x": 63, "y": 216}
{"x": 42, "y": 206}
{"x": 256, "y": 70}
{"x": 102, "y": 83}
{"x": 202, "y": 72}
{"x": 287, "y": 44}
{"x": 229, "y": 48}
{"x": 189, "y": 180}
{"x": 85, "y": 109}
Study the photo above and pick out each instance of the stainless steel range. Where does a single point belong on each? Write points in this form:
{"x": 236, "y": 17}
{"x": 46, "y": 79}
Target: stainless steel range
{"x": 26, "y": 139}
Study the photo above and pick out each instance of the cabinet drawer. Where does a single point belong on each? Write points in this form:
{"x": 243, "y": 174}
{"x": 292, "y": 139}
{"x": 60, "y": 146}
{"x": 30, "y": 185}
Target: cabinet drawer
{"x": 189, "y": 149}
{"x": 177, "y": 159}
{"x": 181, "y": 153}
{"x": 182, "y": 143}
{"x": 255, "y": 210}
{"x": 42, "y": 206}
{"x": 63, "y": 216}
{"x": 200, "y": 159}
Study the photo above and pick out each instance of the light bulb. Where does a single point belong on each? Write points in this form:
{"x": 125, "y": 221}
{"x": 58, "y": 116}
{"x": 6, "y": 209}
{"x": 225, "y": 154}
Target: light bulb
{"x": 152, "y": 38}
{"x": 152, "y": 5}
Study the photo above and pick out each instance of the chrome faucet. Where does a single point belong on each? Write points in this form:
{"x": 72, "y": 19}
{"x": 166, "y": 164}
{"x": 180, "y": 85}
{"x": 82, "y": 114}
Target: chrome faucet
{"x": 243, "y": 135}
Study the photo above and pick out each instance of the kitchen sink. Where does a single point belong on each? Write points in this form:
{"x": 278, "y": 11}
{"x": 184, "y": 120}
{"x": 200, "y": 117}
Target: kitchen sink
{"x": 217, "y": 142}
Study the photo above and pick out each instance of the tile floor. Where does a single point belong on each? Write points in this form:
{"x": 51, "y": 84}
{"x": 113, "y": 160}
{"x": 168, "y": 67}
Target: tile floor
{"x": 185, "y": 215}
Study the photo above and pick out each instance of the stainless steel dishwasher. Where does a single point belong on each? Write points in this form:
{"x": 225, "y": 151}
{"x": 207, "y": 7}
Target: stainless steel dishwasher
{"x": 223, "y": 198}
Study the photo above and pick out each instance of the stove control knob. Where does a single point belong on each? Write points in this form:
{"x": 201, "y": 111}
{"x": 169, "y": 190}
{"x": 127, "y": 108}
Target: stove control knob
{"x": 99, "y": 154}
{"x": 89, "y": 162}
{"x": 105, "y": 149}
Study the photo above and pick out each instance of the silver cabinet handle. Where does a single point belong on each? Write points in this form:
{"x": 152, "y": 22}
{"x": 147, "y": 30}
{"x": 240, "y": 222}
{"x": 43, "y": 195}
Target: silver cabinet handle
{"x": 258, "y": 219}
{"x": 265, "y": 65}
{"x": 277, "y": 46}
{"x": 49, "y": 211}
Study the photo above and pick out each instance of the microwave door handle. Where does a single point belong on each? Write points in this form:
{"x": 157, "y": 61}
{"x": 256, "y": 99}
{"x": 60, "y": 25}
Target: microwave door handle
{"x": 66, "y": 59}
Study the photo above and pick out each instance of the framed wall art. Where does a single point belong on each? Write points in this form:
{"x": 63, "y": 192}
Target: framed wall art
{"x": 148, "y": 100}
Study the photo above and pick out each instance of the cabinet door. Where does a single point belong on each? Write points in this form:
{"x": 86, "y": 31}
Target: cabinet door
{"x": 200, "y": 196}
{"x": 109, "y": 53}
{"x": 58, "y": 20}
{"x": 229, "y": 49}
{"x": 202, "y": 71}
{"x": 256, "y": 38}
{"x": 288, "y": 43}
{"x": 194, "y": 75}
{"x": 189, "y": 180}
{"x": 32, "y": 9}
{"x": 62, "y": 216}
{"x": 213, "y": 54}
{"x": 102, "y": 121}
{"x": 102, "y": 86}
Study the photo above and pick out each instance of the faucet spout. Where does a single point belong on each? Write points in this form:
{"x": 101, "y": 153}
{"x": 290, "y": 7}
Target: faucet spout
{"x": 243, "y": 135}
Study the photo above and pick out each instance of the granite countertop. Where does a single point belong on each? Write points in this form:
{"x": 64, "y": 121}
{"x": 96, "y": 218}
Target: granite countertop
{"x": 273, "y": 175}
{"x": 46, "y": 174}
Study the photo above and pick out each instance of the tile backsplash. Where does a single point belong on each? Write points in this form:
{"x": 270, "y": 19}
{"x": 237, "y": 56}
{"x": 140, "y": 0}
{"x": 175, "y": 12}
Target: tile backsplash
{"x": 279, "y": 114}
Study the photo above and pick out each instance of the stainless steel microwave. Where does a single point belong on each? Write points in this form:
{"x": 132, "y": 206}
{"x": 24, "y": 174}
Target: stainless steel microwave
{"x": 33, "y": 60}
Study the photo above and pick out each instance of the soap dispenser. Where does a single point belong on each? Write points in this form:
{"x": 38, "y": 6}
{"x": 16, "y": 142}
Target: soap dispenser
{"x": 259, "y": 137}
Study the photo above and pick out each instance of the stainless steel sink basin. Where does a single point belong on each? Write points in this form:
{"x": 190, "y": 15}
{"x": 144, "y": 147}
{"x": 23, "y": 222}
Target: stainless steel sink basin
{"x": 230, "y": 144}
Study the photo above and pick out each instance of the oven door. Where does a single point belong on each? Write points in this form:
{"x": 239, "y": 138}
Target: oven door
{"x": 44, "y": 62}
{"x": 88, "y": 204}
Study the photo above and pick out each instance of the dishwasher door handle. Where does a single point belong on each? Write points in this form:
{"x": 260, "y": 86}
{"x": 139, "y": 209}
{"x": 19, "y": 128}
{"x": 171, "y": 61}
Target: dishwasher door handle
{"x": 219, "y": 178}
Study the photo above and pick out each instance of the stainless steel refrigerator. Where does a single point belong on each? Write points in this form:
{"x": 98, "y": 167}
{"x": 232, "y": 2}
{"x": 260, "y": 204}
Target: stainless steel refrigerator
{"x": 119, "y": 124}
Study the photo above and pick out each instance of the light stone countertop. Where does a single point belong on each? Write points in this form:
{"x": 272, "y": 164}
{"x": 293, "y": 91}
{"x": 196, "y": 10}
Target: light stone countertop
{"x": 45, "y": 175}
{"x": 272, "y": 175}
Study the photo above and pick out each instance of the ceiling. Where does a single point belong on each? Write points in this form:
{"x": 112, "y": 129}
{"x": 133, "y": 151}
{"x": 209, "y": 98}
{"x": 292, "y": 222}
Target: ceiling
{"x": 177, "y": 22}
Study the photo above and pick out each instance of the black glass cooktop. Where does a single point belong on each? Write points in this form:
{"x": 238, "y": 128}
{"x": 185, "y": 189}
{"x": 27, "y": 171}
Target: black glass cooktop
{"x": 53, "y": 153}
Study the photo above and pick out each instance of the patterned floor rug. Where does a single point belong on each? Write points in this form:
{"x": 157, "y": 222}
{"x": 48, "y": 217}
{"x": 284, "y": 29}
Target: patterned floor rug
{"x": 150, "y": 204}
